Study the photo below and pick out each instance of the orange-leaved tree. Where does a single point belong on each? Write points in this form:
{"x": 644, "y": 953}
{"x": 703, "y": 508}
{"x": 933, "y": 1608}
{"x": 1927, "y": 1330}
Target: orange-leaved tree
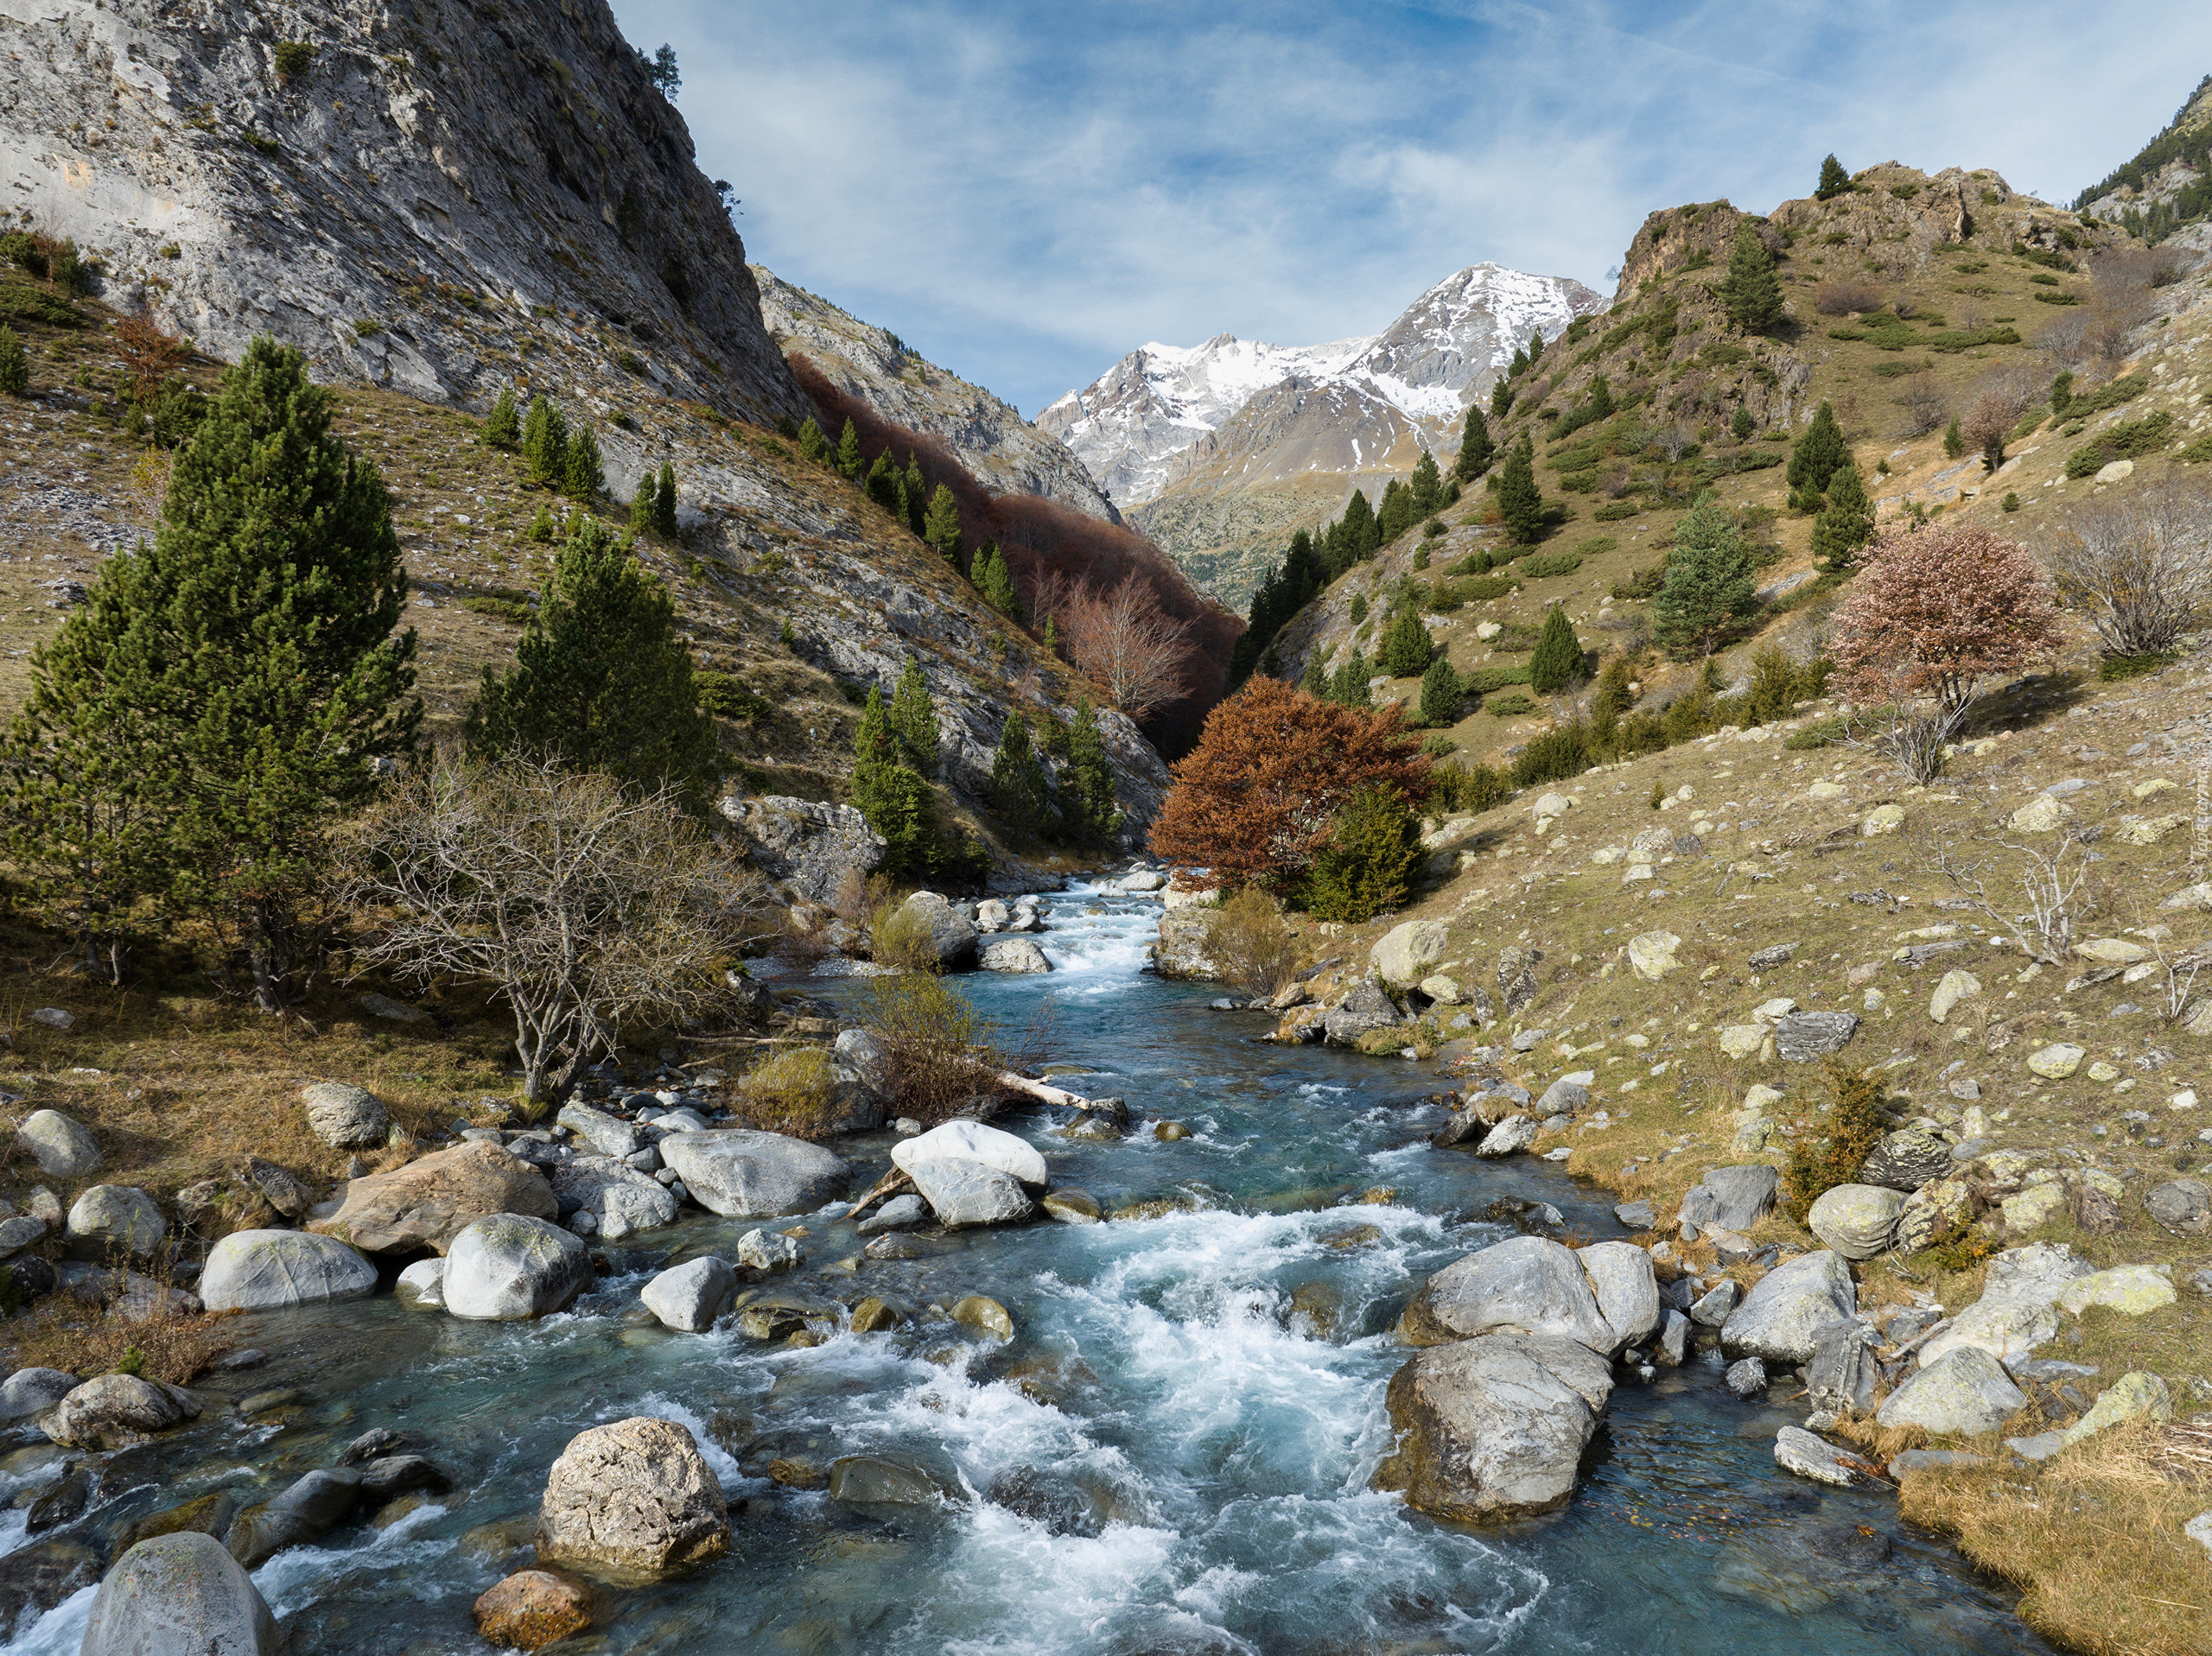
{"x": 1254, "y": 800}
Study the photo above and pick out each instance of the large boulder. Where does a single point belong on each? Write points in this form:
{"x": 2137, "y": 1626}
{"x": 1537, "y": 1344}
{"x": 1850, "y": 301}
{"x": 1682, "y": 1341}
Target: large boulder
{"x": 270, "y": 1270}
{"x": 1180, "y": 950}
{"x": 1403, "y": 956}
{"x": 944, "y": 935}
{"x": 307, "y": 1511}
{"x": 62, "y": 1146}
{"x": 1367, "y": 1007}
{"x": 1626, "y": 1288}
{"x": 1016, "y": 954}
{"x": 1843, "y": 1374}
{"x": 29, "y": 1391}
{"x": 1734, "y": 1198}
{"x": 742, "y": 1174}
{"x": 508, "y": 1268}
{"x": 1493, "y": 1427}
{"x": 1963, "y": 1393}
{"x": 433, "y": 1198}
{"x": 1907, "y": 1159}
{"x": 2017, "y": 1310}
{"x": 620, "y": 1200}
{"x": 115, "y": 1221}
{"x": 631, "y": 1502}
{"x": 813, "y": 852}
{"x": 346, "y": 1117}
{"x": 1782, "y": 1315}
{"x": 971, "y": 1141}
{"x": 177, "y": 1594}
{"x": 609, "y": 1135}
{"x": 964, "y": 1193}
{"x": 688, "y": 1297}
{"x": 1857, "y": 1220}
{"x": 1804, "y": 1036}
{"x": 1525, "y": 1284}
{"x": 116, "y": 1410}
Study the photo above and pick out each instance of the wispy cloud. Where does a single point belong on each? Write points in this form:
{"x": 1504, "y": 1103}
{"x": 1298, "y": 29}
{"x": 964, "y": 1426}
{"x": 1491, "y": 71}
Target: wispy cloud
{"x": 1027, "y": 192}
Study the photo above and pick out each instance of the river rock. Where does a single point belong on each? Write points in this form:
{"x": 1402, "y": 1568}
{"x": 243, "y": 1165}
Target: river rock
{"x": 1626, "y": 1288}
{"x": 965, "y": 1193}
{"x": 433, "y": 1198}
{"x": 900, "y": 1213}
{"x": 1404, "y": 955}
{"x": 632, "y": 1502}
{"x": 306, "y": 1511}
{"x": 1734, "y": 1198}
{"x": 508, "y": 1266}
{"x": 532, "y": 1608}
{"x": 688, "y": 1297}
{"x": 30, "y": 1392}
{"x": 346, "y": 1117}
{"x": 1856, "y": 1220}
{"x": 1508, "y": 1138}
{"x": 272, "y": 1270}
{"x": 1711, "y": 1309}
{"x": 2184, "y": 1205}
{"x": 178, "y": 1594}
{"x": 607, "y": 1134}
{"x": 971, "y": 1141}
{"x": 116, "y": 1410}
{"x": 1072, "y": 1206}
{"x": 741, "y": 1174}
{"x": 1746, "y": 1378}
{"x": 1802, "y": 1038}
{"x": 62, "y": 1146}
{"x": 1366, "y": 1008}
{"x": 1493, "y": 1427}
{"x": 110, "y": 1221}
{"x": 1811, "y": 1457}
{"x": 947, "y": 937}
{"x": 1781, "y": 1318}
{"x": 620, "y": 1200}
{"x": 889, "y": 1480}
{"x": 1525, "y": 1284}
{"x": 1962, "y": 1394}
{"x": 1015, "y": 954}
{"x": 422, "y": 1285}
{"x": 769, "y": 1251}
{"x": 985, "y": 1315}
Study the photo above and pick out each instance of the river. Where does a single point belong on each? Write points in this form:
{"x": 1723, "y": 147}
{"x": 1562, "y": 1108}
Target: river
{"x": 1215, "y": 1447}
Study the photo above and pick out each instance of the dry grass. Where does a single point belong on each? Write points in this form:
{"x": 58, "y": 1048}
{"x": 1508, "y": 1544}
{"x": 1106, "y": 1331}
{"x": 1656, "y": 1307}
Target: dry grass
{"x": 76, "y": 1339}
{"x": 2092, "y": 1538}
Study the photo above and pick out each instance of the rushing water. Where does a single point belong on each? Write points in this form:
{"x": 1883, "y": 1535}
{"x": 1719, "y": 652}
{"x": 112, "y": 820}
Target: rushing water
{"x": 1220, "y": 1445}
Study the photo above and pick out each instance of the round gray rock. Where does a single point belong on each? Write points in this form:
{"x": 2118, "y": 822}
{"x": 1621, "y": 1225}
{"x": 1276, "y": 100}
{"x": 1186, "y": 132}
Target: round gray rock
{"x": 179, "y": 1593}
{"x": 2185, "y": 1205}
{"x": 1015, "y": 954}
{"x": 116, "y": 1410}
{"x": 112, "y": 1219}
{"x": 30, "y": 1392}
{"x": 268, "y": 1270}
{"x": 1857, "y": 1220}
{"x": 688, "y": 1297}
{"x": 1525, "y": 1284}
{"x": 61, "y": 1145}
{"x": 506, "y": 1267}
{"x": 346, "y": 1117}
{"x": 1781, "y": 1318}
{"x": 741, "y": 1174}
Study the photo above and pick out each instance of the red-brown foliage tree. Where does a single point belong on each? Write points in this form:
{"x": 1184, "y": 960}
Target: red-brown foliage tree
{"x": 1254, "y": 800}
{"x": 1055, "y": 554}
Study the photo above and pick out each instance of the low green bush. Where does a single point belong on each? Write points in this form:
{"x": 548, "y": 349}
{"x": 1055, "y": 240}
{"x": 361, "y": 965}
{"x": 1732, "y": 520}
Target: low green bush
{"x": 1544, "y": 564}
{"x": 2130, "y": 440}
{"x": 1619, "y": 511}
{"x": 1483, "y": 679}
{"x": 1509, "y": 704}
{"x": 727, "y": 696}
{"x": 2115, "y": 668}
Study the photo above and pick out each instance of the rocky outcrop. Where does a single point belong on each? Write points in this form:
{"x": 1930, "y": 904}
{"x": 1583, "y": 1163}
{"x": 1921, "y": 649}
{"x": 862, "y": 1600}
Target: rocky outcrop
{"x": 179, "y": 1593}
{"x": 509, "y": 1267}
{"x": 741, "y": 1174}
{"x": 631, "y": 1502}
{"x": 273, "y": 1270}
{"x": 433, "y": 1198}
{"x": 1180, "y": 950}
{"x": 813, "y": 852}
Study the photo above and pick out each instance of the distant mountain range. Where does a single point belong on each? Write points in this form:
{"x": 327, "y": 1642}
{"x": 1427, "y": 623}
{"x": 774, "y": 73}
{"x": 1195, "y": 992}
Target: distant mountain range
{"x": 1218, "y": 450}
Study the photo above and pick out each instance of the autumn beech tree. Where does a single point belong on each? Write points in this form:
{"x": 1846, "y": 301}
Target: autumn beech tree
{"x": 1259, "y": 796}
{"x": 1122, "y": 639}
{"x": 1936, "y": 611}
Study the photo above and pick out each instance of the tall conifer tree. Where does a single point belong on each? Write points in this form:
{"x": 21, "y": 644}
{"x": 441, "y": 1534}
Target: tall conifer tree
{"x": 1518, "y": 498}
{"x": 913, "y": 716}
{"x": 1475, "y": 447}
{"x": 1751, "y": 294}
{"x": 665, "y": 522}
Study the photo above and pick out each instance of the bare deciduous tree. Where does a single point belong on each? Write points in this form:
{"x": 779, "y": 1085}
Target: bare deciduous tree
{"x": 1128, "y": 644}
{"x": 580, "y": 906}
{"x": 2137, "y": 565}
{"x": 2051, "y": 885}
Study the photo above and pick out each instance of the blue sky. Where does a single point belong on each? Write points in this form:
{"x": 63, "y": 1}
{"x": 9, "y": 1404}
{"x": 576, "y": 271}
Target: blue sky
{"x": 1026, "y": 191}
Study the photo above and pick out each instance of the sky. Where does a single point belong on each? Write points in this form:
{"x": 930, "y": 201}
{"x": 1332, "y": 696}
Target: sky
{"x": 1026, "y": 192}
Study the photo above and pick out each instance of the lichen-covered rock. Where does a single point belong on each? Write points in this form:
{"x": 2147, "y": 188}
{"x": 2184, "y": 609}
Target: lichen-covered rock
{"x": 1963, "y": 1394}
{"x": 346, "y": 1117}
{"x": 433, "y": 1198}
{"x": 2138, "y": 1395}
{"x": 178, "y": 1594}
{"x": 631, "y": 1502}
{"x": 2057, "y": 1061}
{"x": 272, "y": 1270}
{"x": 1181, "y": 951}
{"x": 1934, "y": 1210}
{"x": 1954, "y": 987}
{"x": 1366, "y": 1008}
{"x": 532, "y": 1608}
{"x": 1781, "y": 1316}
{"x": 1651, "y": 955}
{"x": 620, "y": 1200}
{"x": 1805, "y": 1037}
{"x": 1907, "y": 1159}
{"x": 1856, "y": 1220}
{"x": 2184, "y": 1205}
{"x": 116, "y": 1410}
{"x": 509, "y": 1267}
{"x": 2130, "y": 1289}
{"x": 812, "y": 851}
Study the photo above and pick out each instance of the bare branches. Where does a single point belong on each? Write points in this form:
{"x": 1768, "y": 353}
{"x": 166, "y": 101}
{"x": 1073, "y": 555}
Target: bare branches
{"x": 2138, "y": 565}
{"x": 1124, "y": 639}
{"x": 581, "y": 906}
{"x": 2041, "y": 920}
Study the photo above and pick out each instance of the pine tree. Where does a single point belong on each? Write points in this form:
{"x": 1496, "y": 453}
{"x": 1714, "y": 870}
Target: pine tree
{"x": 1427, "y": 486}
{"x": 1556, "y": 663}
{"x": 1406, "y": 648}
{"x": 1018, "y": 793}
{"x": 503, "y": 425}
{"x": 895, "y": 802}
{"x": 1362, "y": 534}
{"x": 1439, "y": 695}
{"x": 1348, "y": 685}
{"x": 1519, "y": 365}
{"x": 1740, "y": 424}
{"x": 645, "y": 505}
{"x": 541, "y": 528}
{"x": 1366, "y": 867}
{"x": 1397, "y": 514}
{"x": 941, "y": 525}
{"x": 995, "y": 582}
{"x": 916, "y": 497}
{"x": 885, "y": 486}
{"x": 1710, "y": 581}
{"x": 849, "y": 462}
{"x": 600, "y": 680}
{"x": 15, "y": 364}
{"x": 1600, "y": 403}
{"x": 1839, "y": 532}
{"x": 1501, "y": 398}
{"x": 197, "y": 731}
{"x": 1089, "y": 812}
{"x": 1833, "y": 180}
{"x": 1818, "y": 453}
{"x": 913, "y": 717}
{"x": 665, "y": 524}
{"x": 1518, "y": 500}
{"x": 1751, "y": 294}
{"x": 1536, "y": 346}
{"x": 1612, "y": 698}
{"x": 545, "y": 443}
{"x": 1050, "y": 637}
{"x": 1315, "y": 682}
{"x": 1475, "y": 447}
{"x": 581, "y": 479}
{"x": 1954, "y": 442}
{"x": 812, "y": 443}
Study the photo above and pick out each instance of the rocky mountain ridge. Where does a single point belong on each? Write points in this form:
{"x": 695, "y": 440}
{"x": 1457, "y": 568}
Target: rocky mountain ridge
{"x": 2165, "y": 193}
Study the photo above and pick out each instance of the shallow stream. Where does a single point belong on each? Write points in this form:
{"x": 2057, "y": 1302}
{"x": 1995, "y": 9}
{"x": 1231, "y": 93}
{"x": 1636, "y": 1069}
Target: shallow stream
{"x": 1162, "y": 1394}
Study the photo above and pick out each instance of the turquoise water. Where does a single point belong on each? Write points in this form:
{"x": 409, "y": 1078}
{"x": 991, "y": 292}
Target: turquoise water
{"x": 1217, "y": 1452}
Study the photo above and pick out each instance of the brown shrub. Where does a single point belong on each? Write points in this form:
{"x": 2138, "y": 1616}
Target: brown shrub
{"x": 1841, "y": 296}
{"x": 1829, "y": 1149}
{"x": 1249, "y": 941}
{"x": 941, "y": 1058}
{"x": 794, "y": 1092}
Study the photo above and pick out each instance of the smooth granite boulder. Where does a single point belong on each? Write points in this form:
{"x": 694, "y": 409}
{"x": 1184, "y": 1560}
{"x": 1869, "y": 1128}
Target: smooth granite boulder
{"x": 1525, "y": 1284}
{"x": 742, "y": 1174}
{"x": 272, "y": 1270}
{"x": 178, "y": 1594}
{"x": 508, "y": 1268}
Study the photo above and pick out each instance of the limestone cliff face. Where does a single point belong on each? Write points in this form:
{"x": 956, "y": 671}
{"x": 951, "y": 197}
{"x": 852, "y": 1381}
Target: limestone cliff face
{"x": 439, "y": 198}
{"x": 1006, "y": 453}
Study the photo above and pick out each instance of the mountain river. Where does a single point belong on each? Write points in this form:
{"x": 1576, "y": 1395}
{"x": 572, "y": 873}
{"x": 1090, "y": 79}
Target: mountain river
{"x": 1198, "y": 1396}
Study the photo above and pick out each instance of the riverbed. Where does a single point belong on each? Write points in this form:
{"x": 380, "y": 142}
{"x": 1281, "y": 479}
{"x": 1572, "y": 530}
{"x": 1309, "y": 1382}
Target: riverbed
{"x": 1179, "y": 1437}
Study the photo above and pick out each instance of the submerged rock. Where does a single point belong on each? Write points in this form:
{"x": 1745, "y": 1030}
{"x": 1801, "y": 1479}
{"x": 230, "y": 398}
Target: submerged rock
{"x": 1811, "y": 1457}
{"x": 632, "y": 1502}
{"x": 306, "y": 1511}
